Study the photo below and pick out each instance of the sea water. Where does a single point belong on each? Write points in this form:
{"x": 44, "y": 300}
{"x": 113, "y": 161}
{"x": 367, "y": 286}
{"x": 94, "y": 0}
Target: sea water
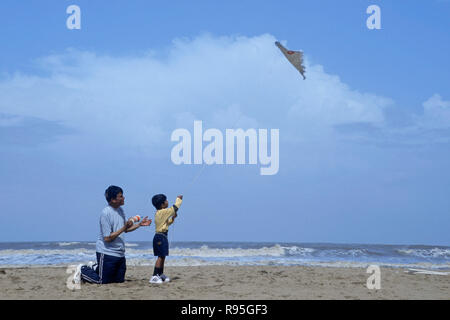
{"x": 234, "y": 253}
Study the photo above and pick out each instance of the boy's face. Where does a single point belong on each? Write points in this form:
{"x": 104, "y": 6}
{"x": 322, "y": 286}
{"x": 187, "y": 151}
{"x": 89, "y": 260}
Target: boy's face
{"x": 118, "y": 201}
{"x": 165, "y": 204}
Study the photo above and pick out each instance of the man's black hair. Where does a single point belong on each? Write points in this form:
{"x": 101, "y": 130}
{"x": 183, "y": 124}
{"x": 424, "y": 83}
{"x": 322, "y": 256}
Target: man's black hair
{"x": 112, "y": 192}
{"x": 158, "y": 200}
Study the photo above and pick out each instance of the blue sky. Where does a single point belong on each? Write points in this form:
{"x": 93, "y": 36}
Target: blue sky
{"x": 363, "y": 141}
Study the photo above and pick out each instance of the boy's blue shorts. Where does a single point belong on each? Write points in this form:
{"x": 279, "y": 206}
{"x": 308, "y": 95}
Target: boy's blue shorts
{"x": 160, "y": 245}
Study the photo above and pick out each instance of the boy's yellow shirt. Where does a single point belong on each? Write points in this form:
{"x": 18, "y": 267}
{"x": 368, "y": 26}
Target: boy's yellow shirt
{"x": 163, "y": 217}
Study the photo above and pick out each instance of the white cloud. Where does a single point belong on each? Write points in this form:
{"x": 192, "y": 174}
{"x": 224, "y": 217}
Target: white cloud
{"x": 141, "y": 100}
{"x": 325, "y": 99}
{"x": 436, "y": 113}
{"x": 430, "y": 127}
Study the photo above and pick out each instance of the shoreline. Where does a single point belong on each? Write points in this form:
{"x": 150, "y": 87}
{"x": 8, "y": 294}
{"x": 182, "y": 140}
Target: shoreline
{"x": 227, "y": 283}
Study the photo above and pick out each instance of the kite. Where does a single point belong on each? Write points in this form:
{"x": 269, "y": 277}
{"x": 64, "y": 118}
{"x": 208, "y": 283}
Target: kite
{"x": 294, "y": 57}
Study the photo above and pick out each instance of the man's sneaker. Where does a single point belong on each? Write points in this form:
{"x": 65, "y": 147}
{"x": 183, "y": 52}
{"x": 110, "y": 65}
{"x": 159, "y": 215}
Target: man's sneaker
{"x": 164, "y": 278}
{"x": 93, "y": 265}
{"x": 156, "y": 279}
{"x": 77, "y": 275}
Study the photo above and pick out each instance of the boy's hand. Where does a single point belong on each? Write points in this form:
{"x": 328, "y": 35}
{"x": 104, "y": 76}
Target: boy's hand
{"x": 145, "y": 222}
{"x": 181, "y": 197}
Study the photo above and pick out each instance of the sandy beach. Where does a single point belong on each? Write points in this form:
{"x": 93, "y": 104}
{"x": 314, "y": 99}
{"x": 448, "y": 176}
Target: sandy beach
{"x": 230, "y": 283}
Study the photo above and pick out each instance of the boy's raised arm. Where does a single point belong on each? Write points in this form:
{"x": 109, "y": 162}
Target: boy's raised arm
{"x": 178, "y": 202}
{"x": 172, "y": 211}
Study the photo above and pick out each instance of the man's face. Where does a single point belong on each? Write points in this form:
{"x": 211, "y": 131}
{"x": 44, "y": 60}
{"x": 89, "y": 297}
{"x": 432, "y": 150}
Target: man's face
{"x": 165, "y": 204}
{"x": 118, "y": 201}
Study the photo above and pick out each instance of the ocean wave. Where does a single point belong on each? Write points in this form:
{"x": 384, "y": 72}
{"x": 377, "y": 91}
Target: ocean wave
{"x": 193, "y": 262}
{"x": 205, "y": 251}
{"x": 192, "y": 254}
{"x": 65, "y": 244}
{"x": 298, "y": 251}
{"x": 346, "y": 252}
{"x": 198, "y": 262}
{"x": 45, "y": 252}
{"x": 426, "y": 253}
{"x": 47, "y": 259}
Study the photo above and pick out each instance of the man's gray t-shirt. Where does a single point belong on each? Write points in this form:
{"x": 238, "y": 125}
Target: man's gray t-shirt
{"x": 111, "y": 220}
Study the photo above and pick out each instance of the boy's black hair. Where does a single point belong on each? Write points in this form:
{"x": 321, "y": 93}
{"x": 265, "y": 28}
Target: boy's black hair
{"x": 112, "y": 192}
{"x": 158, "y": 200}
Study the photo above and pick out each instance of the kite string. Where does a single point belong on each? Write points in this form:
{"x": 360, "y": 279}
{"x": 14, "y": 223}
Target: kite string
{"x": 196, "y": 177}
{"x": 204, "y": 163}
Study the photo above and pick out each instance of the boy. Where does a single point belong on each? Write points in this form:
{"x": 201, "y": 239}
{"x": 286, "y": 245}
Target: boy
{"x": 110, "y": 246}
{"x": 164, "y": 217}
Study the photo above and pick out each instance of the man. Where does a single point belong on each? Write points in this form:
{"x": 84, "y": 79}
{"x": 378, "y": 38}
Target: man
{"x": 110, "y": 246}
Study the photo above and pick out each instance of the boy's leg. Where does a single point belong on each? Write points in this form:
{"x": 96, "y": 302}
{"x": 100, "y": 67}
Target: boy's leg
{"x": 162, "y": 264}
{"x": 160, "y": 249}
{"x": 162, "y": 275}
{"x": 159, "y": 265}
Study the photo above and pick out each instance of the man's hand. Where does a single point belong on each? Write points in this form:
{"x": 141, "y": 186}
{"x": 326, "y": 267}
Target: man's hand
{"x": 114, "y": 235}
{"x": 181, "y": 197}
{"x": 129, "y": 224}
{"x": 145, "y": 222}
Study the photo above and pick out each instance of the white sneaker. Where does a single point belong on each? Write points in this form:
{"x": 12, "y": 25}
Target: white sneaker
{"x": 165, "y": 278}
{"x": 93, "y": 265}
{"x": 77, "y": 275}
{"x": 156, "y": 279}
